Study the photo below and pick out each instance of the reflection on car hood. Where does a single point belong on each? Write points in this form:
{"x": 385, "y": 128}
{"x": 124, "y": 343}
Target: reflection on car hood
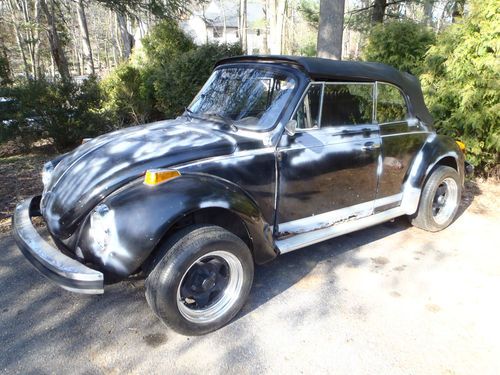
{"x": 100, "y": 166}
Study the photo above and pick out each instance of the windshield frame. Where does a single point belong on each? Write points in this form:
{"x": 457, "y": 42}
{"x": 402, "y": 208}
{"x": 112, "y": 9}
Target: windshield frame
{"x": 273, "y": 67}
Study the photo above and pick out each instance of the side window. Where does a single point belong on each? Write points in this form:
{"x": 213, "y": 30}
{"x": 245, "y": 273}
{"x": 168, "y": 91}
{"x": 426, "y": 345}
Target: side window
{"x": 391, "y": 105}
{"x": 347, "y": 104}
{"x": 307, "y": 115}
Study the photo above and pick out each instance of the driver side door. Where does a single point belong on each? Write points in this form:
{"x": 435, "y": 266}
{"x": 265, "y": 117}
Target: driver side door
{"x": 328, "y": 168}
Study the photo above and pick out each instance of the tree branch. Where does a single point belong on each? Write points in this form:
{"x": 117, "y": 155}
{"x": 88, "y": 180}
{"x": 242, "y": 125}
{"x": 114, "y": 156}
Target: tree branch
{"x": 371, "y": 6}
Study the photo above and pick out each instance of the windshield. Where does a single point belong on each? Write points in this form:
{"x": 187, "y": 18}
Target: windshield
{"x": 251, "y": 98}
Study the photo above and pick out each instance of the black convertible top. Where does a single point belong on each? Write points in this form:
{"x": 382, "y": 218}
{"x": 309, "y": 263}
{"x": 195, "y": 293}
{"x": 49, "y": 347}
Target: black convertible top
{"x": 334, "y": 70}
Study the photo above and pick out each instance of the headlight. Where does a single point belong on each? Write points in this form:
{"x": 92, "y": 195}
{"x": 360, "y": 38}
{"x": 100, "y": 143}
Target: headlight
{"x": 47, "y": 170}
{"x": 101, "y": 225}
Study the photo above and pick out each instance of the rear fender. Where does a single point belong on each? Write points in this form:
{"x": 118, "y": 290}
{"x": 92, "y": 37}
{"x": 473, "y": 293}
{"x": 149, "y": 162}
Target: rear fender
{"x": 435, "y": 151}
{"x": 143, "y": 214}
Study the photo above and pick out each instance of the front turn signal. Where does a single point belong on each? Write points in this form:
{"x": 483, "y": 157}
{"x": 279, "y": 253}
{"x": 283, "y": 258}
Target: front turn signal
{"x": 461, "y": 146}
{"x": 157, "y": 176}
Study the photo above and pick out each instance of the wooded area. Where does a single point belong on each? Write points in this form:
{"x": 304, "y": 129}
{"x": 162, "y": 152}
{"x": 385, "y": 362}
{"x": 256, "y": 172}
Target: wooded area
{"x": 134, "y": 52}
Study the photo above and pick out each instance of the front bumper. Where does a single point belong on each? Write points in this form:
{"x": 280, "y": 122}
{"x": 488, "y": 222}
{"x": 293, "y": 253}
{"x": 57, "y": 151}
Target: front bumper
{"x": 66, "y": 272}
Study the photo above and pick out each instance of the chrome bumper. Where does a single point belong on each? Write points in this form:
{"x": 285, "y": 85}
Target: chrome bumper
{"x": 66, "y": 272}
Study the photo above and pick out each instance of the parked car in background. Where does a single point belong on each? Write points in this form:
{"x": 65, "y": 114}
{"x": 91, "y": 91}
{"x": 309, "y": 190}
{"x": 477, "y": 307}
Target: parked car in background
{"x": 274, "y": 154}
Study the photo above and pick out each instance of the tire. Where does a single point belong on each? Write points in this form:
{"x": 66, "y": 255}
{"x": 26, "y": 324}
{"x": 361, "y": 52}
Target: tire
{"x": 202, "y": 281}
{"x": 439, "y": 201}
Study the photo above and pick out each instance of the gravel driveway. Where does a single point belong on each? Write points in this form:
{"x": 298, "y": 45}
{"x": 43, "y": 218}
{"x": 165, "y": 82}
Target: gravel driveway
{"x": 390, "y": 299}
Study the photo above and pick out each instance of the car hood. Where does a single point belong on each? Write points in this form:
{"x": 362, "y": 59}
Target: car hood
{"x": 97, "y": 168}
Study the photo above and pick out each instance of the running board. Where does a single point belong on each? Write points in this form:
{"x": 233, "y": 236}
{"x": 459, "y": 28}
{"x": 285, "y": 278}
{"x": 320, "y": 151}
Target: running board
{"x": 299, "y": 241}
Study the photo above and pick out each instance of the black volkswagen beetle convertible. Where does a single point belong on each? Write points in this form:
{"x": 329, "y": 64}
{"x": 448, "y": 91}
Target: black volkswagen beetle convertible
{"x": 274, "y": 154}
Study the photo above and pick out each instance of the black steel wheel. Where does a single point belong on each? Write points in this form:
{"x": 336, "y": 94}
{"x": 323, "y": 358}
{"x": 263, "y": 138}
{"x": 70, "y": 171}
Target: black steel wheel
{"x": 202, "y": 280}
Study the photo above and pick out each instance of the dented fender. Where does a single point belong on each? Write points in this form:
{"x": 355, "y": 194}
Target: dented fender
{"x": 143, "y": 214}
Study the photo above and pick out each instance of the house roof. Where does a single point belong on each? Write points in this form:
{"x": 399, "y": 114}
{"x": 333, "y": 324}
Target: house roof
{"x": 334, "y": 70}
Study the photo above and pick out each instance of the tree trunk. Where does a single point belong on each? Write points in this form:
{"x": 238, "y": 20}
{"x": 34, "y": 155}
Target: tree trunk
{"x": 276, "y": 13}
{"x": 84, "y": 32}
{"x": 331, "y": 28}
{"x": 458, "y": 10}
{"x": 243, "y": 26}
{"x": 378, "y": 12}
{"x": 55, "y": 46}
{"x": 428, "y": 8}
{"x": 19, "y": 39}
{"x": 125, "y": 35}
{"x": 265, "y": 44}
{"x": 224, "y": 28}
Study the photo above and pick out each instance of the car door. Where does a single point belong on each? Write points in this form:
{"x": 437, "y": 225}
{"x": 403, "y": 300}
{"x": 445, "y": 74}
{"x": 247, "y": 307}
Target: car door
{"x": 328, "y": 168}
{"x": 402, "y": 136}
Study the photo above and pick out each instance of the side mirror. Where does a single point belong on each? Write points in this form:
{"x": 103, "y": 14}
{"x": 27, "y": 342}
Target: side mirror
{"x": 290, "y": 127}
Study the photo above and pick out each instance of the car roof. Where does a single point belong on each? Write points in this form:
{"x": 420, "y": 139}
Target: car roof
{"x": 319, "y": 69}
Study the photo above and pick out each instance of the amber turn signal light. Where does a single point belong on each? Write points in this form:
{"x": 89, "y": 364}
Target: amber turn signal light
{"x": 157, "y": 176}
{"x": 461, "y": 146}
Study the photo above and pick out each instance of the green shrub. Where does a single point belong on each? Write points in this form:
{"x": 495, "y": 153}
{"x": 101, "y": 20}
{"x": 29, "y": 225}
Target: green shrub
{"x": 63, "y": 111}
{"x": 462, "y": 83}
{"x": 177, "y": 84}
{"x": 166, "y": 41}
{"x": 129, "y": 95}
{"x": 402, "y": 44}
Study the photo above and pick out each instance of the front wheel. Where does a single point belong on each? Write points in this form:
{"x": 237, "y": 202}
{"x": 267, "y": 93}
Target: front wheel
{"x": 202, "y": 281}
{"x": 439, "y": 201}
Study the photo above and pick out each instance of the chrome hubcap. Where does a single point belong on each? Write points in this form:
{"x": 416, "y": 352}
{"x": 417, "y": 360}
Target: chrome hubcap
{"x": 445, "y": 200}
{"x": 210, "y": 287}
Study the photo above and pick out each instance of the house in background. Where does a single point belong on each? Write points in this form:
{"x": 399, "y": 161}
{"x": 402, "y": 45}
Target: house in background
{"x": 219, "y": 22}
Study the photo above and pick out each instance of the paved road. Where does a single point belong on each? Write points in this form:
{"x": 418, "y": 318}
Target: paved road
{"x": 387, "y": 300}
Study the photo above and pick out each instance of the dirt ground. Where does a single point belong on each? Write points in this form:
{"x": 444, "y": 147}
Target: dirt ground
{"x": 390, "y": 299}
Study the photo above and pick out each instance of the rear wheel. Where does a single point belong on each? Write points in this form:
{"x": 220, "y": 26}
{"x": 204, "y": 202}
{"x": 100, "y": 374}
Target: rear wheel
{"x": 439, "y": 201}
{"x": 202, "y": 281}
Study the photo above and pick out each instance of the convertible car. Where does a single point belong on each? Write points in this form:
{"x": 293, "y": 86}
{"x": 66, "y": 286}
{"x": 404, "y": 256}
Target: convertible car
{"x": 274, "y": 154}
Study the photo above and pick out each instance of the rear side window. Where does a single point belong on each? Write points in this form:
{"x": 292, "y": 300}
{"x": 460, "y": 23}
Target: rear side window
{"x": 391, "y": 105}
{"x": 307, "y": 115}
{"x": 347, "y": 104}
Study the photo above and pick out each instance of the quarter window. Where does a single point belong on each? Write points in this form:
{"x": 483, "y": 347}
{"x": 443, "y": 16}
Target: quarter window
{"x": 391, "y": 105}
{"x": 347, "y": 104}
{"x": 307, "y": 115}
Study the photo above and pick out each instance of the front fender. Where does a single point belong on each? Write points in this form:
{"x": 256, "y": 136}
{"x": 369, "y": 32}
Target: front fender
{"x": 143, "y": 214}
{"x": 433, "y": 152}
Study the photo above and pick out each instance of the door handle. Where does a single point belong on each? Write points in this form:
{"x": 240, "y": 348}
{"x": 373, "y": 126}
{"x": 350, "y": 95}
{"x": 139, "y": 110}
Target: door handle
{"x": 370, "y": 146}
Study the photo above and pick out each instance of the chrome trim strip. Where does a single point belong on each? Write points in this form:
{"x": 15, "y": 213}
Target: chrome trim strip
{"x": 310, "y": 238}
{"x": 68, "y": 273}
{"x": 405, "y": 133}
{"x": 336, "y": 217}
{"x": 236, "y": 154}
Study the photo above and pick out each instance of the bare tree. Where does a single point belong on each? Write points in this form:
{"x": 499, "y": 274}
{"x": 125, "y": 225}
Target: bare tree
{"x": 126, "y": 41}
{"x": 378, "y": 11}
{"x": 428, "y": 9}
{"x": 276, "y": 12}
{"x": 56, "y": 48}
{"x": 243, "y": 25}
{"x": 331, "y": 28}
{"x": 84, "y": 32}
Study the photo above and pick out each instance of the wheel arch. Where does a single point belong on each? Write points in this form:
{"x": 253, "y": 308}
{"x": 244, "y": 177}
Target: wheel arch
{"x": 437, "y": 150}
{"x": 144, "y": 216}
{"x": 215, "y": 215}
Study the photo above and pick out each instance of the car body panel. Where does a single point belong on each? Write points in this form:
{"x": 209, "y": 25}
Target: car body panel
{"x": 326, "y": 169}
{"x": 159, "y": 207}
